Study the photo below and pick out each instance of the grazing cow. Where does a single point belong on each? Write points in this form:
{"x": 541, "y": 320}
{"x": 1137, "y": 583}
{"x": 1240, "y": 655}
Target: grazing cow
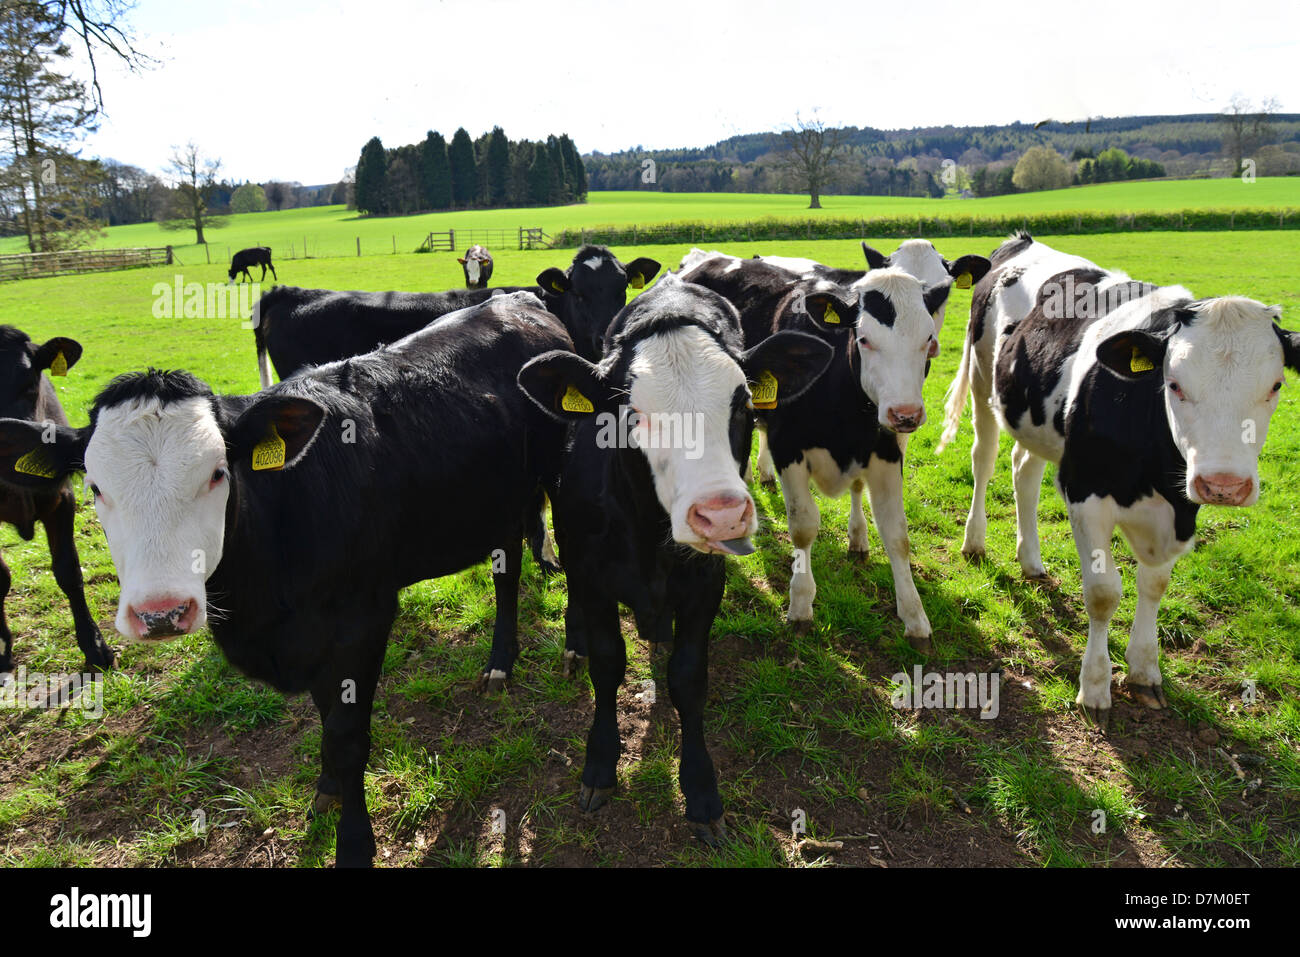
{"x": 847, "y": 433}
{"x": 645, "y": 522}
{"x": 477, "y": 264}
{"x": 42, "y": 495}
{"x": 1151, "y": 403}
{"x": 253, "y": 256}
{"x": 299, "y": 513}
{"x": 588, "y": 294}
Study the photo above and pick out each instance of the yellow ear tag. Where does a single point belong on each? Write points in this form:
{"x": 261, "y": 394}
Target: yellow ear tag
{"x": 764, "y": 391}
{"x": 831, "y": 316}
{"x": 636, "y": 280}
{"x": 555, "y": 284}
{"x": 963, "y": 281}
{"x": 1139, "y": 363}
{"x": 575, "y": 401}
{"x": 35, "y": 463}
{"x": 269, "y": 453}
{"x": 60, "y": 365}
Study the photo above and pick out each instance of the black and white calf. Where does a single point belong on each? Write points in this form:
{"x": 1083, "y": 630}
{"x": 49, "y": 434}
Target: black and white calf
{"x": 1152, "y": 404}
{"x": 588, "y": 294}
{"x": 645, "y": 522}
{"x": 288, "y": 520}
{"x": 245, "y": 259}
{"x": 41, "y": 494}
{"x": 477, "y": 264}
{"x": 847, "y": 433}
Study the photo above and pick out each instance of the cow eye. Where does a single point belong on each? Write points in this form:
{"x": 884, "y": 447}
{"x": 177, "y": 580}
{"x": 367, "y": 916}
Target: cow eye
{"x": 1176, "y": 389}
{"x": 1277, "y": 386}
{"x": 218, "y": 476}
{"x": 94, "y": 490}
{"x": 865, "y": 342}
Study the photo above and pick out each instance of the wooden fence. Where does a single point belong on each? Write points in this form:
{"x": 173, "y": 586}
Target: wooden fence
{"x": 30, "y": 265}
{"x": 525, "y": 237}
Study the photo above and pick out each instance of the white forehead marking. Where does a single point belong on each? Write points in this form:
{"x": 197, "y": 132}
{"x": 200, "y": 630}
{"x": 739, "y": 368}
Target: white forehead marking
{"x": 920, "y": 259}
{"x": 138, "y": 444}
{"x": 684, "y": 370}
{"x": 903, "y": 291}
{"x": 595, "y": 262}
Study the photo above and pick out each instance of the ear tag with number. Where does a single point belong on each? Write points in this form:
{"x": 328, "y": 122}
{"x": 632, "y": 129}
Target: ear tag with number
{"x": 269, "y": 453}
{"x": 60, "y": 365}
{"x": 831, "y": 316}
{"x": 575, "y": 401}
{"x": 35, "y": 463}
{"x": 963, "y": 281}
{"x": 764, "y": 392}
{"x": 1139, "y": 363}
{"x": 636, "y": 280}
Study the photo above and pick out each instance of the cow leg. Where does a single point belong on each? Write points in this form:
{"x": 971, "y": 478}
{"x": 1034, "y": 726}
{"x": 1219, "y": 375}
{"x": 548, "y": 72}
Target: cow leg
{"x": 271, "y": 265}
{"x": 688, "y": 685}
{"x": 328, "y": 790}
{"x": 859, "y": 541}
{"x": 1143, "y": 654}
{"x": 803, "y": 520}
{"x": 6, "y": 638}
{"x": 67, "y": 572}
{"x": 885, "y": 489}
{"x": 505, "y": 633}
{"x": 766, "y": 467}
{"x": 1093, "y": 523}
{"x": 1027, "y": 477}
{"x": 983, "y": 457}
{"x": 607, "y": 665}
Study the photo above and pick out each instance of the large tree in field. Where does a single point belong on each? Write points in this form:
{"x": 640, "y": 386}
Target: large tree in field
{"x": 541, "y": 177}
{"x": 194, "y": 180}
{"x": 498, "y": 166}
{"x": 1245, "y": 128}
{"x": 808, "y": 151}
{"x": 1041, "y": 168}
{"x": 464, "y": 171}
{"x": 435, "y": 172}
{"x": 372, "y": 175}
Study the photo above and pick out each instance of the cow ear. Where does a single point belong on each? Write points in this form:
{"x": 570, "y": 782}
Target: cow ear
{"x": 274, "y": 433}
{"x": 784, "y": 366}
{"x": 935, "y": 296}
{"x": 58, "y": 355}
{"x": 35, "y": 454}
{"x": 640, "y": 271}
{"x": 1290, "y": 347}
{"x": 875, "y": 259}
{"x": 829, "y": 312}
{"x": 968, "y": 270}
{"x": 553, "y": 280}
{"x": 565, "y": 386}
{"x": 460, "y": 260}
{"x": 1132, "y": 354}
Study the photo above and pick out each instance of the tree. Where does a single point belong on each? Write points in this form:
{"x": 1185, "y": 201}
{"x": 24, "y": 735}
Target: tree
{"x": 464, "y": 172}
{"x": 101, "y": 25}
{"x": 249, "y": 198}
{"x": 276, "y": 194}
{"x": 1041, "y": 168}
{"x": 44, "y": 112}
{"x": 540, "y": 176}
{"x": 435, "y": 172}
{"x": 809, "y": 150}
{"x": 498, "y": 167}
{"x": 1245, "y": 128}
{"x": 372, "y": 172}
{"x": 195, "y": 184}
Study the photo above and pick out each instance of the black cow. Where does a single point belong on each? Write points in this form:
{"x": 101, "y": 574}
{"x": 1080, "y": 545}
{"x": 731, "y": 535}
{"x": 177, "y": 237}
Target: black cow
{"x": 588, "y": 294}
{"x": 645, "y": 522}
{"x": 301, "y": 511}
{"x": 847, "y": 435}
{"x": 477, "y": 265}
{"x": 253, "y": 256}
{"x": 43, "y": 496}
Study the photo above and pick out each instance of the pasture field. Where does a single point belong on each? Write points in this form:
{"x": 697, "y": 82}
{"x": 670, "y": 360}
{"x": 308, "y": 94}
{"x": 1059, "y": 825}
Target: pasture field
{"x": 332, "y": 231}
{"x": 793, "y": 722}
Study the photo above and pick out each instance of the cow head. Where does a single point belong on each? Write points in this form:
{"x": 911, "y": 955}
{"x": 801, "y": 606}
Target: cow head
{"x": 161, "y": 456}
{"x": 888, "y": 315}
{"x": 1219, "y": 364}
{"x": 676, "y": 381}
{"x": 477, "y": 265}
{"x": 919, "y": 258}
{"x": 21, "y": 364}
{"x": 588, "y": 294}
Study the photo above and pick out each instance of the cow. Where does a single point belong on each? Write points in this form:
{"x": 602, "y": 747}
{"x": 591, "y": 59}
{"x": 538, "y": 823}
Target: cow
{"x": 847, "y": 434}
{"x": 646, "y": 522}
{"x": 41, "y": 496}
{"x": 1152, "y": 404}
{"x": 253, "y": 256}
{"x": 588, "y": 294}
{"x": 289, "y": 520}
{"x": 477, "y": 265}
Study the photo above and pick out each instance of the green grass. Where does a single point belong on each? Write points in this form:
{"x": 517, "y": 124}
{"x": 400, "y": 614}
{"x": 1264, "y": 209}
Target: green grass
{"x": 794, "y": 722}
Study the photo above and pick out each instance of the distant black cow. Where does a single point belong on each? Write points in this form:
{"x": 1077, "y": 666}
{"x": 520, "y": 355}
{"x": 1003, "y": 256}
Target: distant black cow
{"x": 301, "y": 511}
{"x": 42, "y": 495}
{"x": 477, "y": 264}
{"x": 253, "y": 256}
{"x": 645, "y": 523}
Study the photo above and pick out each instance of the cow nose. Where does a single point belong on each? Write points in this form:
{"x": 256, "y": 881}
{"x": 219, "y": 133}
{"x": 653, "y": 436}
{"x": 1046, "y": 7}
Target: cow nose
{"x": 721, "y": 518}
{"x": 1223, "y": 488}
{"x": 906, "y": 418}
{"x": 162, "y": 617}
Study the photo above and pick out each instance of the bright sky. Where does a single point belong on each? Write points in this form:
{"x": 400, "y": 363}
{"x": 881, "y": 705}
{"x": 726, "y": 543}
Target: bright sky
{"x": 292, "y": 89}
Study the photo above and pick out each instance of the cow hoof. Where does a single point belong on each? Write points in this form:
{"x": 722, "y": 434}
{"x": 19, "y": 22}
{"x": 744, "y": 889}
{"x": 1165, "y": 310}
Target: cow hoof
{"x": 573, "y": 664}
{"x": 1099, "y": 715}
{"x": 550, "y": 568}
{"x": 324, "y": 803}
{"x": 492, "y": 681}
{"x": 769, "y": 481}
{"x": 921, "y": 643}
{"x": 1036, "y": 575}
{"x": 1152, "y": 696}
{"x": 593, "y": 799}
{"x": 713, "y": 834}
{"x": 858, "y": 556}
{"x": 974, "y": 555}
{"x": 801, "y": 626}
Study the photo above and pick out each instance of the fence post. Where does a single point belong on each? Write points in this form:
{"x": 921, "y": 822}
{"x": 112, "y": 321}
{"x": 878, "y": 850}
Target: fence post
{"x": 451, "y": 236}
{"x": 169, "y": 256}
{"x": 208, "y": 251}
{"x": 358, "y": 247}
